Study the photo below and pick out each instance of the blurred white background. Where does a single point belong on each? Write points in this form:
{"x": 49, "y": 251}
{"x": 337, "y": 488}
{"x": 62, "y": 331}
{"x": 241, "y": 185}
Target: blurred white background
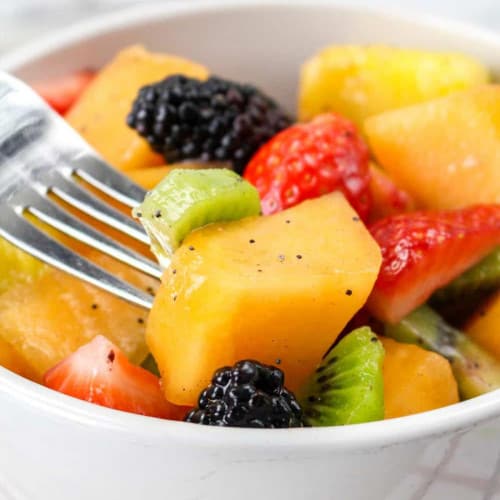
{"x": 25, "y": 20}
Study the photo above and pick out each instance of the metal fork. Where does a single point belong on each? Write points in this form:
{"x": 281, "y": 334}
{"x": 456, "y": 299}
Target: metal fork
{"x": 41, "y": 155}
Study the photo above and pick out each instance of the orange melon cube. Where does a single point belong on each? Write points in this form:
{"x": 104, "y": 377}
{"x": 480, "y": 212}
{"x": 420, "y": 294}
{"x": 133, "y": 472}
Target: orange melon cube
{"x": 100, "y": 113}
{"x": 13, "y": 361}
{"x": 270, "y": 288}
{"x": 415, "y": 380}
{"x": 444, "y": 152}
{"x": 46, "y": 320}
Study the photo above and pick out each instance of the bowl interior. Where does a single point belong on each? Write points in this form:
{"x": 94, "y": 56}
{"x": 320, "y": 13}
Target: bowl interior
{"x": 262, "y": 43}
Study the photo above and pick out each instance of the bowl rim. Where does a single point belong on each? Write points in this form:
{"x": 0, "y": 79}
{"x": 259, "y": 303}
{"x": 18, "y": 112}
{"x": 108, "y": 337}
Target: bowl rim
{"x": 435, "y": 423}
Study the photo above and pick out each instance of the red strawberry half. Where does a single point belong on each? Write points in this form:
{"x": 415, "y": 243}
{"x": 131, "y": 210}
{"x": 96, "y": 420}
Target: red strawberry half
{"x": 308, "y": 160}
{"x": 61, "y": 93}
{"x": 100, "y": 373}
{"x": 423, "y": 251}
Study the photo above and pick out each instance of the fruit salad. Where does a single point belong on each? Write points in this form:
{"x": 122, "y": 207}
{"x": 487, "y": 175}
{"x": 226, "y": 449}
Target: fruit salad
{"x": 332, "y": 266}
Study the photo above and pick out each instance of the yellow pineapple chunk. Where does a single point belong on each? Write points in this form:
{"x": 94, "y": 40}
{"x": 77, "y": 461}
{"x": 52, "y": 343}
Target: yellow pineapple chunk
{"x": 278, "y": 289}
{"x": 100, "y": 113}
{"x": 446, "y": 152}
{"x": 360, "y": 81}
{"x": 484, "y": 326}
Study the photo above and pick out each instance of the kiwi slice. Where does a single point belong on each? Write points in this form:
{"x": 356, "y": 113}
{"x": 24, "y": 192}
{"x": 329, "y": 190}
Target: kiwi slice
{"x": 348, "y": 386}
{"x": 484, "y": 276}
{"x": 475, "y": 370}
{"x": 150, "y": 365}
{"x": 460, "y": 298}
{"x": 188, "y": 199}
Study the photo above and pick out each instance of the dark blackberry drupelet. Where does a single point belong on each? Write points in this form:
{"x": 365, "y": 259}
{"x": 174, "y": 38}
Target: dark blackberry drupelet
{"x": 212, "y": 120}
{"x": 249, "y": 394}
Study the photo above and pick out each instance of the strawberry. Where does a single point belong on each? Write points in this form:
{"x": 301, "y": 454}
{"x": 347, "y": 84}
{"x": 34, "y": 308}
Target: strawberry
{"x": 100, "y": 373}
{"x": 309, "y": 160}
{"x": 425, "y": 250}
{"x": 388, "y": 198}
{"x": 61, "y": 93}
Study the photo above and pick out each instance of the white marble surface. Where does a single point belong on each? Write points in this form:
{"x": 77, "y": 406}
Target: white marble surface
{"x": 25, "y": 20}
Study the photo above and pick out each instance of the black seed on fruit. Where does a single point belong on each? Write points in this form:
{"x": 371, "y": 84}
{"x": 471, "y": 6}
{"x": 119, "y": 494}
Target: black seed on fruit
{"x": 157, "y": 214}
{"x": 138, "y": 214}
{"x": 111, "y": 356}
{"x": 251, "y": 241}
{"x": 355, "y": 219}
{"x": 312, "y": 413}
{"x": 332, "y": 360}
{"x": 323, "y": 378}
{"x": 348, "y": 291}
{"x": 94, "y": 306}
{"x": 191, "y": 247}
{"x": 299, "y": 256}
{"x": 287, "y": 221}
{"x": 174, "y": 298}
{"x": 374, "y": 339}
{"x": 140, "y": 321}
{"x": 174, "y": 271}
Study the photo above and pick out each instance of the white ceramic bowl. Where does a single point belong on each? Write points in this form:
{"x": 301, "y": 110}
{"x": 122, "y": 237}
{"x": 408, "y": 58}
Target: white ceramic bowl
{"x": 55, "y": 447}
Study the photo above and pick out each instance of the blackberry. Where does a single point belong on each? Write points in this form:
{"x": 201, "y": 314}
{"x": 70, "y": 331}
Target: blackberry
{"x": 211, "y": 120}
{"x": 249, "y": 394}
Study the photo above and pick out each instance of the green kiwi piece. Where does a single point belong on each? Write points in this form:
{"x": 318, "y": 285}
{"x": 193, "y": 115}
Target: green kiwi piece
{"x": 457, "y": 300}
{"x": 348, "y": 386}
{"x": 475, "y": 370}
{"x": 188, "y": 199}
{"x": 150, "y": 365}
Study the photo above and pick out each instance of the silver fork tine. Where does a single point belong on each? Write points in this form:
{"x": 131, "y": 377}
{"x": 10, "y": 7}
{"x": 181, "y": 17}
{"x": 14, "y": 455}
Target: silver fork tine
{"x": 73, "y": 194}
{"x": 17, "y": 230}
{"x": 51, "y": 214}
{"x": 41, "y": 154}
{"x": 108, "y": 180}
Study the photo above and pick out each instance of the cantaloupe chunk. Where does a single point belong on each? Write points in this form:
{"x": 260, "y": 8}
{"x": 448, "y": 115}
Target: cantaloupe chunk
{"x": 13, "y": 361}
{"x": 445, "y": 152}
{"x": 484, "y": 326}
{"x": 415, "y": 380}
{"x": 360, "y": 81}
{"x": 49, "y": 318}
{"x": 277, "y": 289}
{"x": 100, "y": 113}
{"x": 17, "y": 266}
